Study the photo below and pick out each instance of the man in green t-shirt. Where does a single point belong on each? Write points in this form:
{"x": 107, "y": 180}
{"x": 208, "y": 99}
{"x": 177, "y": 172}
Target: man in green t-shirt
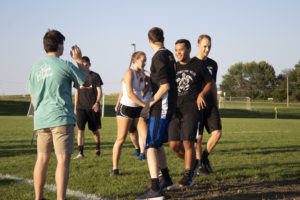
{"x": 50, "y": 89}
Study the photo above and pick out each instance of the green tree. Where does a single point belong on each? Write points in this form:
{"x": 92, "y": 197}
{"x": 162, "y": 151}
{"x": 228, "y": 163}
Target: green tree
{"x": 256, "y": 80}
{"x": 294, "y": 82}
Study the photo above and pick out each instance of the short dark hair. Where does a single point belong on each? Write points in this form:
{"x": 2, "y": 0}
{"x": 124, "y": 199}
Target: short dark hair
{"x": 85, "y": 59}
{"x": 187, "y": 43}
{"x": 52, "y": 39}
{"x": 204, "y": 36}
{"x": 156, "y": 34}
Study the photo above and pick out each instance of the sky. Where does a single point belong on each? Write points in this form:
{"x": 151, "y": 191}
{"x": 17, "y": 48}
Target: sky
{"x": 241, "y": 31}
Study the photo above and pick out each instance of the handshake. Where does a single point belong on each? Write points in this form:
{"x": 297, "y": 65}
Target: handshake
{"x": 145, "y": 113}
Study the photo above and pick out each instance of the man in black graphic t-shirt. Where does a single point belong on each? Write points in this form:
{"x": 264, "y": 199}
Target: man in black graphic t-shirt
{"x": 87, "y": 107}
{"x": 190, "y": 77}
{"x": 211, "y": 116}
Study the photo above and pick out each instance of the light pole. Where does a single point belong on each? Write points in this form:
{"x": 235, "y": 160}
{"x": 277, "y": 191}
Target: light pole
{"x": 287, "y": 90}
{"x": 134, "y": 47}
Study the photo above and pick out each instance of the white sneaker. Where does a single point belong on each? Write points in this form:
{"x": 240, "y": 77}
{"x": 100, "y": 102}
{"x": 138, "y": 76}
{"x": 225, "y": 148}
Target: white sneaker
{"x": 79, "y": 156}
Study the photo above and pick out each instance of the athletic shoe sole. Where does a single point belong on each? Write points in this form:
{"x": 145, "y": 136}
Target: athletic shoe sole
{"x": 170, "y": 187}
{"x": 191, "y": 184}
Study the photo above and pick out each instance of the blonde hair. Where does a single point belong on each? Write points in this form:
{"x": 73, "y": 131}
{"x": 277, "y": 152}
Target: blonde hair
{"x": 136, "y": 55}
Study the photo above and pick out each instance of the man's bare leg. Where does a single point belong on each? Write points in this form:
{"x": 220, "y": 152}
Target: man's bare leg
{"x": 62, "y": 175}
{"x": 39, "y": 173}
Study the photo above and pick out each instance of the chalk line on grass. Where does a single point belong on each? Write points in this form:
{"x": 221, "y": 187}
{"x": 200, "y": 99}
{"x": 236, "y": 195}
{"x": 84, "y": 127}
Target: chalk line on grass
{"x": 287, "y": 131}
{"x": 51, "y": 187}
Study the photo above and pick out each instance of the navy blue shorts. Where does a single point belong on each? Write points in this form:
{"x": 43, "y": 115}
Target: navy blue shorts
{"x": 157, "y": 132}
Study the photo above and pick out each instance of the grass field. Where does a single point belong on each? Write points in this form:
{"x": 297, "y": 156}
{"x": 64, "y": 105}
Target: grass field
{"x": 257, "y": 157}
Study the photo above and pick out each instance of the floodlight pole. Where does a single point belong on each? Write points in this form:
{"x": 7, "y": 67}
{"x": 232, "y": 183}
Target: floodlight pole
{"x": 287, "y": 90}
{"x": 134, "y": 47}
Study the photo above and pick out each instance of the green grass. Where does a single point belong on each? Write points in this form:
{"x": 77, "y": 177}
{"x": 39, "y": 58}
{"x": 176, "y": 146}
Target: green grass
{"x": 256, "y": 149}
{"x": 257, "y": 157}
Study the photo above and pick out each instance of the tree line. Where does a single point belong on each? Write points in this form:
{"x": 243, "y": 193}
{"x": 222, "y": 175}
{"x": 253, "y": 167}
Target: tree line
{"x": 259, "y": 81}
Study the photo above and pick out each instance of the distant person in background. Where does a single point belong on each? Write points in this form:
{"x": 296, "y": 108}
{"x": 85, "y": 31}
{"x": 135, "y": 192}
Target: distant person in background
{"x": 50, "y": 89}
{"x": 130, "y": 105}
{"x": 87, "y": 107}
{"x": 211, "y": 116}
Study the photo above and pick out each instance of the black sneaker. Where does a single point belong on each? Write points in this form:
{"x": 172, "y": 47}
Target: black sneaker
{"x": 151, "y": 194}
{"x": 98, "y": 152}
{"x": 136, "y": 153}
{"x": 166, "y": 185}
{"x": 114, "y": 172}
{"x": 187, "y": 179}
{"x": 207, "y": 166}
{"x": 201, "y": 171}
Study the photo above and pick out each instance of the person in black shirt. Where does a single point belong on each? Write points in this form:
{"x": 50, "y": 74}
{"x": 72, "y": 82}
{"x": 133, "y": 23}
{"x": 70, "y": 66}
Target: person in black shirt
{"x": 87, "y": 107}
{"x": 162, "y": 105}
{"x": 211, "y": 116}
{"x": 190, "y": 78}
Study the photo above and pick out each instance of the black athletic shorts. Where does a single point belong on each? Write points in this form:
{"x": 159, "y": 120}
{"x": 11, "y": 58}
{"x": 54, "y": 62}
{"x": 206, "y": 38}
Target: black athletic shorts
{"x": 184, "y": 122}
{"x": 128, "y": 112}
{"x": 211, "y": 120}
{"x": 88, "y": 115}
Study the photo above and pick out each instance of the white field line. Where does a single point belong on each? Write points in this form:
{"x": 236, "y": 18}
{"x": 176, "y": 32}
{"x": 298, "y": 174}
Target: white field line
{"x": 77, "y": 194}
{"x": 256, "y": 131}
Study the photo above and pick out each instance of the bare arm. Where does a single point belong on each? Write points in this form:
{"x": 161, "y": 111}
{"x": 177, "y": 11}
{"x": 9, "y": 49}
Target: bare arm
{"x": 160, "y": 92}
{"x": 75, "y": 102}
{"x": 97, "y": 103}
{"x": 119, "y": 99}
{"x": 128, "y": 83}
{"x": 31, "y": 100}
{"x": 200, "y": 99}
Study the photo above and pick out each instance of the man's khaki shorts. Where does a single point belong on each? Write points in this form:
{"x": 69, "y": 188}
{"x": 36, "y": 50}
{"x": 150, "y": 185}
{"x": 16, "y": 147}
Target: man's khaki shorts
{"x": 60, "y": 137}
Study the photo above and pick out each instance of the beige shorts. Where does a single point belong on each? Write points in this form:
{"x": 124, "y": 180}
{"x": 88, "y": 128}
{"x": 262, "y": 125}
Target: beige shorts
{"x": 60, "y": 137}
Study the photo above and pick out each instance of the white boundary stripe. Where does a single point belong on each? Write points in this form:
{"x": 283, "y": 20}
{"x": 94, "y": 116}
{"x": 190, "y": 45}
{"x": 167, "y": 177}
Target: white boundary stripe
{"x": 52, "y": 188}
{"x": 255, "y": 131}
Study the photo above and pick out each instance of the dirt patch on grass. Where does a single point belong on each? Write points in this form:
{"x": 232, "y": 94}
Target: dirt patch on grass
{"x": 240, "y": 189}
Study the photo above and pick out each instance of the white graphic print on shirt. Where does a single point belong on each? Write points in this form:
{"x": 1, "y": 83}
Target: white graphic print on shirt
{"x": 184, "y": 80}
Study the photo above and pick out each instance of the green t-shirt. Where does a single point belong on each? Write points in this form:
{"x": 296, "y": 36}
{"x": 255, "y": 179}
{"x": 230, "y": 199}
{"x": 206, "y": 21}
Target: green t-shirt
{"x": 50, "y": 84}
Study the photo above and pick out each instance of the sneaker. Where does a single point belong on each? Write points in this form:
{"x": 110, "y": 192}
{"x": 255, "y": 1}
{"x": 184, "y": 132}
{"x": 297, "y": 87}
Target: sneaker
{"x": 136, "y": 152}
{"x": 201, "y": 171}
{"x": 159, "y": 173}
{"x": 151, "y": 194}
{"x": 142, "y": 156}
{"x": 97, "y": 152}
{"x": 114, "y": 172}
{"x": 166, "y": 185}
{"x": 187, "y": 179}
{"x": 79, "y": 156}
{"x": 207, "y": 167}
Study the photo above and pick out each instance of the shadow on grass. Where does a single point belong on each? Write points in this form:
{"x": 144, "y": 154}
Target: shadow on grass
{"x": 107, "y": 145}
{"x": 262, "y": 150}
{"x": 263, "y": 113}
{"x": 6, "y": 182}
{"x": 13, "y": 108}
{"x": 244, "y": 189}
{"x": 11, "y": 149}
{"x": 20, "y": 108}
